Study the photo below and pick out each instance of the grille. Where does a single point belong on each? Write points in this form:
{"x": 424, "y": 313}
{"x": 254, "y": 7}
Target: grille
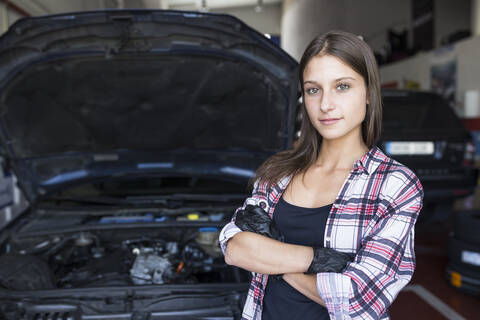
{"x": 50, "y": 312}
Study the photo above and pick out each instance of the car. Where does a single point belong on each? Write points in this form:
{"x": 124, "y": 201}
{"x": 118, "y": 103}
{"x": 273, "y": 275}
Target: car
{"x": 422, "y": 131}
{"x": 133, "y": 135}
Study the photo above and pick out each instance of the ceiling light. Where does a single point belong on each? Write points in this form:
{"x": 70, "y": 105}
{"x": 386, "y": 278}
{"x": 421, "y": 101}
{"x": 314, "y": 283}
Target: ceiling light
{"x": 259, "y": 6}
{"x": 204, "y": 7}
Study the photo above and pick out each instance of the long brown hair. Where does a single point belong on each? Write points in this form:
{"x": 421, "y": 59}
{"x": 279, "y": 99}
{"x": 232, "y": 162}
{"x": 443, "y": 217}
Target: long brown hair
{"x": 353, "y": 51}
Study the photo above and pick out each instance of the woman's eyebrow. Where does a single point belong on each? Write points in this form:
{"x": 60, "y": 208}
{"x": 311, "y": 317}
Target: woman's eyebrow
{"x": 345, "y": 78}
{"x": 336, "y": 80}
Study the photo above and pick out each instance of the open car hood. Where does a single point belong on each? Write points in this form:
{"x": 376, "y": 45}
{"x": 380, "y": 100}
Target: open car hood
{"x": 87, "y": 84}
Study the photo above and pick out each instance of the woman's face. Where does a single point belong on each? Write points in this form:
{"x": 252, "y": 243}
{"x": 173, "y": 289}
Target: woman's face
{"x": 335, "y": 98}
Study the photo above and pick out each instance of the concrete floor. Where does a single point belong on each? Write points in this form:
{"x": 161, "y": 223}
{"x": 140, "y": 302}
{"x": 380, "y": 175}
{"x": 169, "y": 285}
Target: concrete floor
{"x": 429, "y": 295}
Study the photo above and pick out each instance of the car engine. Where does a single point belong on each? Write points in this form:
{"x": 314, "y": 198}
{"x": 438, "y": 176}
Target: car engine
{"x": 90, "y": 260}
{"x": 150, "y": 267}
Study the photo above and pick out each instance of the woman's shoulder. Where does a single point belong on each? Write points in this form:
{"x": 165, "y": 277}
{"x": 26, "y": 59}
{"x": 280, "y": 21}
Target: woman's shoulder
{"x": 395, "y": 175}
{"x": 378, "y": 162}
{"x": 267, "y": 187}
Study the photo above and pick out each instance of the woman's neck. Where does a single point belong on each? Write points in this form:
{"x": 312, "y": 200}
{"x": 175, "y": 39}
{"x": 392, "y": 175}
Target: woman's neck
{"x": 340, "y": 154}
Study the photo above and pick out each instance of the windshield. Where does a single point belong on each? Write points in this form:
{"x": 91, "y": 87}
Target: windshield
{"x": 415, "y": 112}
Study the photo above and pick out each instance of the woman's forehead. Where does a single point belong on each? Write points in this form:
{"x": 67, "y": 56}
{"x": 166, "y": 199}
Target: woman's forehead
{"x": 328, "y": 67}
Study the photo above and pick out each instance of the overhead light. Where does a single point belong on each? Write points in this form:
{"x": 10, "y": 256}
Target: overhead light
{"x": 204, "y": 7}
{"x": 259, "y": 6}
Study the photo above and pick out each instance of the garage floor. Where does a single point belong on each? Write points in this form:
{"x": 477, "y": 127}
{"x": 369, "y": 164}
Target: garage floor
{"x": 429, "y": 296}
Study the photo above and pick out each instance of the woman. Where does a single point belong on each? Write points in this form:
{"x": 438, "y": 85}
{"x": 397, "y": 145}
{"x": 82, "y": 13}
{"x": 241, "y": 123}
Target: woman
{"x": 334, "y": 190}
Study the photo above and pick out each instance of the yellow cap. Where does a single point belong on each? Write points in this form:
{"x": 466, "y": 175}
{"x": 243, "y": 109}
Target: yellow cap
{"x": 192, "y": 216}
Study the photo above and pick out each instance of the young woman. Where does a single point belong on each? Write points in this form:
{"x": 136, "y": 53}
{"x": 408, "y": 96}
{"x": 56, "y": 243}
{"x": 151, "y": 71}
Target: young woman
{"x": 335, "y": 192}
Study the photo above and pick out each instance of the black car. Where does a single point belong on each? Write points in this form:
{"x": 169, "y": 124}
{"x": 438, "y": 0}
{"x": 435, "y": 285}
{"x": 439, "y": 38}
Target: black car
{"x": 423, "y": 132}
{"x": 133, "y": 135}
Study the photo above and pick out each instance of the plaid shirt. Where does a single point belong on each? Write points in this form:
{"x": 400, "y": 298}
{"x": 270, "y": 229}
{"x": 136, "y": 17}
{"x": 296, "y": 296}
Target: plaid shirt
{"x": 373, "y": 216}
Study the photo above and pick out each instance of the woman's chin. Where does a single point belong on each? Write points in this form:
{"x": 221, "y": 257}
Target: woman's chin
{"x": 334, "y": 135}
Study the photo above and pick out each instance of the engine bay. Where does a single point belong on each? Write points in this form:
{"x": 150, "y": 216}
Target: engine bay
{"x": 116, "y": 258}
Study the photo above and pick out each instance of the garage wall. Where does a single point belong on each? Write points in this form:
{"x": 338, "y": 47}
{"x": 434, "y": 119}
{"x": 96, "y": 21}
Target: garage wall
{"x": 418, "y": 67}
{"x": 451, "y": 16}
{"x": 266, "y": 21}
{"x": 372, "y": 19}
{"x": 3, "y": 18}
{"x": 13, "y": 16}
{"x": 303, "y": 20}
{"x": 7, "y": 16}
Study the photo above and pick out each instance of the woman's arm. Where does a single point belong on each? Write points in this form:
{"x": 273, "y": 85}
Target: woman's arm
{"x": 383, "y": 265}
{"x": 306, "y": 284}
{"x": 257, "y": 253}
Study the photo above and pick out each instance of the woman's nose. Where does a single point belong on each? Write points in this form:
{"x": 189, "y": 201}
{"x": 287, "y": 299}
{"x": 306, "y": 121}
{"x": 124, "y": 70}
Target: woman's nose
{"x": 326, "y": 103}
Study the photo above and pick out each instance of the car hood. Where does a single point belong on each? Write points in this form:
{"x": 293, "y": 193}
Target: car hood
{"x": 135, "y": 83}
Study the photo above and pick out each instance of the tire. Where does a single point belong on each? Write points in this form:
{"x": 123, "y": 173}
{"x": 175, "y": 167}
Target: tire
{"x": 463, "y": 279}
{"x": 465, "y": 255}
{"x": 467, "y": 226}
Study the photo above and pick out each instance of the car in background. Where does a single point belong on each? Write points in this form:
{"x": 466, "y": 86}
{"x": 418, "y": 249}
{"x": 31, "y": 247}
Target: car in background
{"x": 423, "y": 132}
{"x": 133, "y": 135}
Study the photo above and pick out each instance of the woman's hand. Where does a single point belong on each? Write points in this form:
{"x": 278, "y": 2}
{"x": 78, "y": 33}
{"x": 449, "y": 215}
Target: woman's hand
{"x": 257, "y": 220}
{"x": 328, "y": 260}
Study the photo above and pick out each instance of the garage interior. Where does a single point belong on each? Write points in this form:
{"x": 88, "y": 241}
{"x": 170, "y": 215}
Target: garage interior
{"x": 412, "y": 40}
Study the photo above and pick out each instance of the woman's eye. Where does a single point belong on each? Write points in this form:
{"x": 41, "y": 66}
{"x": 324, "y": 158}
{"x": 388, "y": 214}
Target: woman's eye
{"x": 312, "y": 90}
{"x": 343, "y": 86}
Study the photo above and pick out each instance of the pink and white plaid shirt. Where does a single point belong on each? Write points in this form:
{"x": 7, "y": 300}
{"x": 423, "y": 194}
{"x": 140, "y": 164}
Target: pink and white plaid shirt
{"x": 373, "y": 216}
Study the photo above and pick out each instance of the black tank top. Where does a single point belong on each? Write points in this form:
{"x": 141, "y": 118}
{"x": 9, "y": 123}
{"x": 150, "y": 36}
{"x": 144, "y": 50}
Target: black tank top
{"x": 302, "y": 226}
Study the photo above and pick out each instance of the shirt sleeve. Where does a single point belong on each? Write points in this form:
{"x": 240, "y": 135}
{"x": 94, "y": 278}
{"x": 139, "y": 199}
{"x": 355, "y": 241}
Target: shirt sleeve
{"x": 383, "y": 265}
{"x": 258, "y": 197}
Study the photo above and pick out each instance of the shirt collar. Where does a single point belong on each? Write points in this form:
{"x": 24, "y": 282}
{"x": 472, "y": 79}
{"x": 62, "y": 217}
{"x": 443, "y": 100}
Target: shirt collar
{"x": 370, "y": 161}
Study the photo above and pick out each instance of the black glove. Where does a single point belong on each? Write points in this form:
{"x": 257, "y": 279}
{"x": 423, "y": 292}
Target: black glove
{"x": 328, "y": 260}
{"x": 255, "y": 219}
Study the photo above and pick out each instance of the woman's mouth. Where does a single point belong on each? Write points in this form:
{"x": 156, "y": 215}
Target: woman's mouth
{"x": 329, "y": 121}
